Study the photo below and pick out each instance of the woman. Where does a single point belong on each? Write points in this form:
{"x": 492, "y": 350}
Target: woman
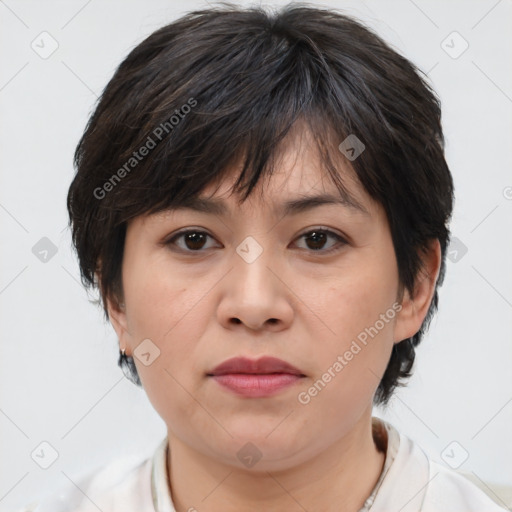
{"x": 263, "y": 202}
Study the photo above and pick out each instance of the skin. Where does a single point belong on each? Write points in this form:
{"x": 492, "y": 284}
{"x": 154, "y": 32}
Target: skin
{"x": 293, "y": 302}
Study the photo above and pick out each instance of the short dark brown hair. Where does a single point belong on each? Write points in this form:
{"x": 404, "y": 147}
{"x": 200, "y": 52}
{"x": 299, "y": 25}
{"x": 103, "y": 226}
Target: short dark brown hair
{"x": 223, "y": 86}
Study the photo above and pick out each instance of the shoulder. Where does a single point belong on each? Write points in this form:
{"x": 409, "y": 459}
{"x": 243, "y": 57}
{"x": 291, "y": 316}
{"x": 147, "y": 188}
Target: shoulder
{"x": 449, "y": 490}
{"x": 121, "y": 485}
{"x": 414, "y": 482}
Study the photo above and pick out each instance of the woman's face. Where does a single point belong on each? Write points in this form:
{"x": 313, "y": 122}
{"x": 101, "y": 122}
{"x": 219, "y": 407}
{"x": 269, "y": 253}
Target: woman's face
{"x": 255, "y": 281}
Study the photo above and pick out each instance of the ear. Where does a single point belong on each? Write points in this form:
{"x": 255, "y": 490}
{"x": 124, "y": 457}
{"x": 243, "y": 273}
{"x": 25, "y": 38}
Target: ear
{"x": 415, "y": 308}
{"x": 117, "y": 316}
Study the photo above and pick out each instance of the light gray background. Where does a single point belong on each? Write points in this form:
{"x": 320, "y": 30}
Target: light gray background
{"x": 59, "y": 380}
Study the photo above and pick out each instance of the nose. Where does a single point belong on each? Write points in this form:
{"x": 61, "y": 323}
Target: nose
{"x": 255, "y": 296}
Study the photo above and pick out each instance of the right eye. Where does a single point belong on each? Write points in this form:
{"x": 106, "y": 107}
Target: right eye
{"x": 193, "y": 240}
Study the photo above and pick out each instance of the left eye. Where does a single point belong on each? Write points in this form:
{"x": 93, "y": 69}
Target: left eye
{"x": 195, "y": 240}
{"x": 318, "y": 239}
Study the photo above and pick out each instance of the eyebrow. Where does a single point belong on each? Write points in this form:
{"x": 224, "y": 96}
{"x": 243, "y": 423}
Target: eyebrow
{"x": 290, "y": 207}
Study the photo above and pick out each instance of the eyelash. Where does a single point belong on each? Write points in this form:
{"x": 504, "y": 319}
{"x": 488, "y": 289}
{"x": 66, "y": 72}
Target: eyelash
{"x": 341, "y": 241}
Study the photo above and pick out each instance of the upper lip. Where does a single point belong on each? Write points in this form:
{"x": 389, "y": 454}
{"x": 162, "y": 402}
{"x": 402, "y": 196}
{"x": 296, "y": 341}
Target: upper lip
{"x": 263, "y": 365}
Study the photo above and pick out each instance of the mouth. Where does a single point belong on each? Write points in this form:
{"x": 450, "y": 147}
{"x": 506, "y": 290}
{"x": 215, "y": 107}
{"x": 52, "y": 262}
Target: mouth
{"x": 255, "y": 378}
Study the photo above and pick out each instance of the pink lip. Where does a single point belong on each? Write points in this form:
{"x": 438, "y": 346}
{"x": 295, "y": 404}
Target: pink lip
{"x": 256, "y": 378}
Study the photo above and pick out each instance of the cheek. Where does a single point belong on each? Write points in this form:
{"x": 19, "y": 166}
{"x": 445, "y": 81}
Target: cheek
{"x": 160, "y": 297}
{"x": 155, "y": 304}
{"x": 171, "y": 308}
{"x": 348, "y": 371}
{"x": 358, "y": 308}
{"x": 167, "y": 309}
{"x": 358, "y": 298}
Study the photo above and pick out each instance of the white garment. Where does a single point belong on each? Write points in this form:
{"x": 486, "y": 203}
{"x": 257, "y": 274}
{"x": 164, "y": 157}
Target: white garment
{"x": 409, "y": 482}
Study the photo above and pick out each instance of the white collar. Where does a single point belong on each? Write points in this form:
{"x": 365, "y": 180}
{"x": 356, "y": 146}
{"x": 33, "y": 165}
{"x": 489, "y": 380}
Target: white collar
{"x": 162, "y": 499}
{"x": 409, "y": 482}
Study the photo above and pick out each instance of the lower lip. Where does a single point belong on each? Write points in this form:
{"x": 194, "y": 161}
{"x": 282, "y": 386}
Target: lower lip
{"x": 256, "y": 385}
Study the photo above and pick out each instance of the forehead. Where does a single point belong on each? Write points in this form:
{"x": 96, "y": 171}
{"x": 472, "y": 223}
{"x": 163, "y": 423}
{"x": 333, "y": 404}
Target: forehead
{"x": 292, "y": 202}
{"x": 298, "y": 181}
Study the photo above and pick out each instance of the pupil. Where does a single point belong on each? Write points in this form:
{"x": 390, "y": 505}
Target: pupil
{"x": 193, "y": 239}
{"x": 320, "y": 239}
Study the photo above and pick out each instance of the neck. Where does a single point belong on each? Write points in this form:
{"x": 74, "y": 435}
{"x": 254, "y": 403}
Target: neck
{"x": 338, "y": 479}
